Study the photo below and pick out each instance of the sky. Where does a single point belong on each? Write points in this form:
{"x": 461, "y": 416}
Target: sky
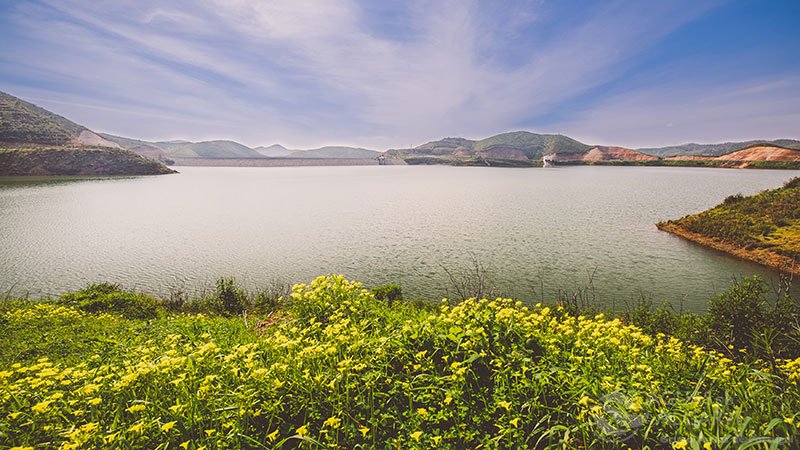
{"x": 392, "y": 74}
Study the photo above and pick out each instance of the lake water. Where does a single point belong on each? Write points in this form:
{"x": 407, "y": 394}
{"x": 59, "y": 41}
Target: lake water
{"x": 536, "y": 231}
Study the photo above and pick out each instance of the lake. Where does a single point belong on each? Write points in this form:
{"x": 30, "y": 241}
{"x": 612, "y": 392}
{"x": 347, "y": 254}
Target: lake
{"x": 536, "y": 232}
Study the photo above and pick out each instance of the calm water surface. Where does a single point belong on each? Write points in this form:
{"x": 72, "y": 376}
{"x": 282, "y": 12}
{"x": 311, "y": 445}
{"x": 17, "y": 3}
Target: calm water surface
{"x": 536, "y": 231}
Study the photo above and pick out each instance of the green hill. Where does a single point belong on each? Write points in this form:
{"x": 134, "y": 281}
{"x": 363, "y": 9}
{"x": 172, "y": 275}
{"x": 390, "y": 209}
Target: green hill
{"x": 208, "y": 149}
{"x": 533, "y": 145}
{"x": 25, "y": 123}
{"x": 693, "y": 149}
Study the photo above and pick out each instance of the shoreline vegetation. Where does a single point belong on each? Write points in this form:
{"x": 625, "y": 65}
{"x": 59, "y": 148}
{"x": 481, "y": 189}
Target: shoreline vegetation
{"x": 333, "y": 364}
{"x": 763, "y": 228}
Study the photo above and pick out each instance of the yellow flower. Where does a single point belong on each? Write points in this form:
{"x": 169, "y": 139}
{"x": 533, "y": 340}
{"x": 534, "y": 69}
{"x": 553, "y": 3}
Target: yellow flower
{"x": 41, "y": 407}
{"x": 505, "y": 405}
{"x": 95, "y": 401}
{"x": 333, "y": 422}
{"x": 14, "y": 415}
{"x": 514, "y": 421}
{"x": 90, "y": 427}
{"x": 210, "y": 432}
{"x": 21, "y": 448}
{"x": 168, "y": 426}
{"x": 680, "y": 444}
{"x": 585, "y": 400}
{"x": 137, "y": 427}
{"x": 789, "y": 420}
{"x": 274, "y": 435}
{"x": 135, "y": 408}
{"x": 184, "y": 445}
{"x": 364, "y": 431}
{"x": 416, "y": 435}
{"x": 707, "y": 446}
{"x": 422, "y": 412}
{"x": 436, "y": 440}
{"x": 302, "y": 431}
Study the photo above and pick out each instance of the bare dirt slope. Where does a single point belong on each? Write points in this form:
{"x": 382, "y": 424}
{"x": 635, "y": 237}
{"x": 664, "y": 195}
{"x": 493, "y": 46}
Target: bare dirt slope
{"x": 762, "y": 153}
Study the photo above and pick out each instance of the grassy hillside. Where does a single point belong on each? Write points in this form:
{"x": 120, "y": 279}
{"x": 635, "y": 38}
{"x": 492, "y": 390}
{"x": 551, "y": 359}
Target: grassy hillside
{"x": 764, "y": 227}
{"x": 336, "y": 367}
{"x": 715, "y": 149}
{"x": 208, "y": 149}
{"x": 46, "y": 161}
{"x": 533, "y": 145}
{"x": 336, "y": 152}
{"x": 25, "y": 123}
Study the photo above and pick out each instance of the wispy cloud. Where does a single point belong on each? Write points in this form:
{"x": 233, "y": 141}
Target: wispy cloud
{"x": 307, "y": 73}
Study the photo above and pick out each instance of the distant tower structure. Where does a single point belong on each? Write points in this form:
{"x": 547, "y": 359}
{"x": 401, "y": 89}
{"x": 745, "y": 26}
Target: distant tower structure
{"x": 547, "y": 160}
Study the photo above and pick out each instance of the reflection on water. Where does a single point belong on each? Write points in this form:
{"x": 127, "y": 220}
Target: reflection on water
{"x": 536, "y": 231}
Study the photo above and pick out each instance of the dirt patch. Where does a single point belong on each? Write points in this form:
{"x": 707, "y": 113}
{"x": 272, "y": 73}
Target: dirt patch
{"x": 762, "y": 153}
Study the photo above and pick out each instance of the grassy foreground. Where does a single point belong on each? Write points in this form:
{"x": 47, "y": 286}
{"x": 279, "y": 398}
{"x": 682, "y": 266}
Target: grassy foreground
{"x": 335, "y": 367}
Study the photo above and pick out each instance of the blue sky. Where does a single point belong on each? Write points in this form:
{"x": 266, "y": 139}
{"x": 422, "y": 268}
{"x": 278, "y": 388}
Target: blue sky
{"x": 394, "y": 74}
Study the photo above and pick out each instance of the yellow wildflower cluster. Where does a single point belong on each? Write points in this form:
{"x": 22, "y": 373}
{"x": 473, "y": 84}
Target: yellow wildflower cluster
{"x": 346, "y": 370}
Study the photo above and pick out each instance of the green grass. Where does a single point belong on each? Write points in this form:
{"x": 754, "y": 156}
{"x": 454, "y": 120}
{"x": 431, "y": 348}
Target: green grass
{"x": 335, "y": 367}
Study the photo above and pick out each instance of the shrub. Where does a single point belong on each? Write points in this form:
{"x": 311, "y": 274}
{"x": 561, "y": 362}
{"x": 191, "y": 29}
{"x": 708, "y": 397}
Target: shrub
{"x": 388, "y": 292}
{"x": 731, "y": 199}
{"x": 230, "y": 297}
{"x": 793, "y": 183}
{"x": 735, "y": 316}
{"x": 110, "y": 298}
{"x": 270, "y": 297}
{"x": 326, "y": 296}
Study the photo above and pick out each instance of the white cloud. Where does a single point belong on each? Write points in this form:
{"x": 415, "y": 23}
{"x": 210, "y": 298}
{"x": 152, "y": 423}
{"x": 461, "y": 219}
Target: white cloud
{"x": 307, "y": 73}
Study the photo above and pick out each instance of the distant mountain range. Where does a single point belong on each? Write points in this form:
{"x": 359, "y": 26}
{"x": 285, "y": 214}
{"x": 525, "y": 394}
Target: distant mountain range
{"x": 23, "y": 124}
{"x": 523, "y": 149}
{"x": 235, "y": 150}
